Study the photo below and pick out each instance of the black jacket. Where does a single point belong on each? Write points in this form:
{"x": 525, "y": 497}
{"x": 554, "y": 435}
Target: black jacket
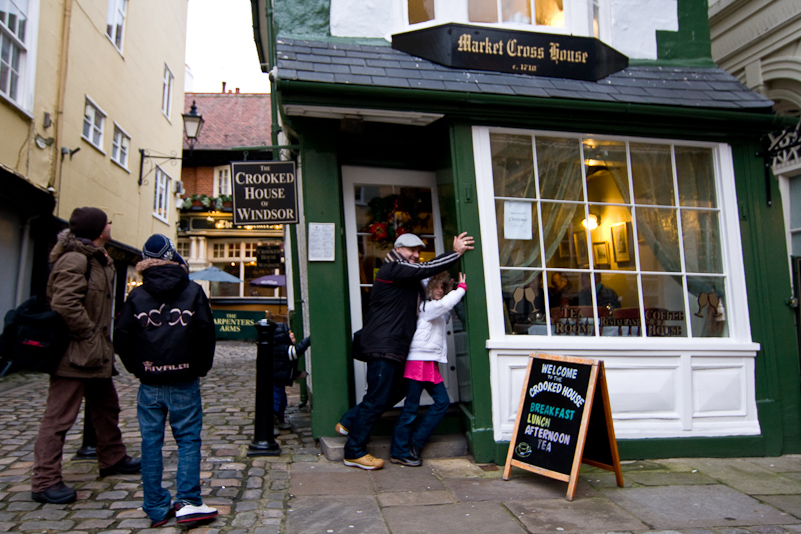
{"x": 392, "y": 316}
{"x": 165, "y": 330}
{"x": 285, "y": 368}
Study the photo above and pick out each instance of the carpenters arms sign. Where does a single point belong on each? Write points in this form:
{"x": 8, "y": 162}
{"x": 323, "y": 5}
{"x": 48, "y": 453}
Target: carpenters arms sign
{"x": 265, "y": 192}
{"x": 518, "y": 52}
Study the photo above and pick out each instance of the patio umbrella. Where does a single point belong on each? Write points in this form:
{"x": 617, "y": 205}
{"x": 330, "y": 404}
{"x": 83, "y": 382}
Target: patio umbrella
{"x": 213, "y": 274}
{"x": 270, "y": 280}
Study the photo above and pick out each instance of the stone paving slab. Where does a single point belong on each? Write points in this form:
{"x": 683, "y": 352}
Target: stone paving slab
{"x": 459, "y": 518}
{"x": 746, "y": 476}
{"x": 696, "y": 507}
{"x": 578, "y": 516}
{"x": 483, "y": 489}
{"x": 333, "y": 513}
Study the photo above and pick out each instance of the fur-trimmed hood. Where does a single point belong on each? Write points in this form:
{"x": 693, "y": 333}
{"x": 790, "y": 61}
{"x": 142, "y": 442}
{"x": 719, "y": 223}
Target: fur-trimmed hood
{"x": 68, "y": 242}
{"x": 163, "y": 279}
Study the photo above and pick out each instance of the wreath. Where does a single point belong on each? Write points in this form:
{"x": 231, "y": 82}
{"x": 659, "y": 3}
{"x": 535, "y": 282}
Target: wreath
{"x": 392, "y": 216}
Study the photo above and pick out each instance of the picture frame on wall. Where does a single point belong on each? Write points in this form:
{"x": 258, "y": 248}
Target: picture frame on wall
{"x": 582, "y": 253}
{"x": 600, "y": 253}
{"x": 620, "y": 241}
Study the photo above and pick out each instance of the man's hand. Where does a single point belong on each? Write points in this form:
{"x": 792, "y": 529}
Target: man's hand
{"x": 462, "y": 243}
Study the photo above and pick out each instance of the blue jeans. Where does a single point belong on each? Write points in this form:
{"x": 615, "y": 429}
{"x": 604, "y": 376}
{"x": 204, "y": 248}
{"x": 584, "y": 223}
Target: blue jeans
{"x": 181, "y": 403}
{"x": 384, "y": 388}
{"x": 403, "y": 434}
{"x": 280, "y": 402}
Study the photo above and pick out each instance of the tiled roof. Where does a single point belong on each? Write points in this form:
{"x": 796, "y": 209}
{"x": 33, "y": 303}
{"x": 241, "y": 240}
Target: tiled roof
{"x": 356, "y": 64}
{"x": 231, "y": 119}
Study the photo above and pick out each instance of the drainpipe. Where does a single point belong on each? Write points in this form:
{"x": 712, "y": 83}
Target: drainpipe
{"x": 272, "y": 63}
{"x": 55, "y": 179}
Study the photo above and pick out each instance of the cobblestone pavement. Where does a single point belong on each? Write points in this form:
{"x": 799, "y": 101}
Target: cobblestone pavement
{"x": 250, "y": 493}
{"x": 257, "y": 495}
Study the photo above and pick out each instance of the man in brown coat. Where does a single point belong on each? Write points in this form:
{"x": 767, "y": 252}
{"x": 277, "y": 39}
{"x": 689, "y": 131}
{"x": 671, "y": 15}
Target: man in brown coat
{"x": 80, "y": 288}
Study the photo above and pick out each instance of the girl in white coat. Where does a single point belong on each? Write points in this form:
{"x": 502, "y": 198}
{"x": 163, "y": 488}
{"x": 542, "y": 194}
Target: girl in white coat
{"x": 428, "y": 349}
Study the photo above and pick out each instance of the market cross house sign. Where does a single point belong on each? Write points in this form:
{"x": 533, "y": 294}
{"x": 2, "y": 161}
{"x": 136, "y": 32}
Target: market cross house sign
{"x": 539, "y": 54}
{"x": 265, "y": 192}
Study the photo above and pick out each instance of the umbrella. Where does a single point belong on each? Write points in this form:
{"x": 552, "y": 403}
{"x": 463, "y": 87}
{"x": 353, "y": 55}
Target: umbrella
{"x": 270, "y": 280}
{"x": 213, "y": 274}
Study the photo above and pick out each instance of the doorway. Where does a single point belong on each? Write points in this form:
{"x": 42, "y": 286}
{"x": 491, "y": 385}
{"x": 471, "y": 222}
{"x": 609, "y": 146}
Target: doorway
{"x": 378, "y": 202}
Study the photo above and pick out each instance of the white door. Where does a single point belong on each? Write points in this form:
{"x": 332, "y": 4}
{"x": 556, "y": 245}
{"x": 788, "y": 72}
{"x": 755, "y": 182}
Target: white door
{"x": 377, "y": 201}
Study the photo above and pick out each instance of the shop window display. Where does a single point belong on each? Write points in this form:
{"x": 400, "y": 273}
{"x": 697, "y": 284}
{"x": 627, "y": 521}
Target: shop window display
{"x": 606, "y": 237}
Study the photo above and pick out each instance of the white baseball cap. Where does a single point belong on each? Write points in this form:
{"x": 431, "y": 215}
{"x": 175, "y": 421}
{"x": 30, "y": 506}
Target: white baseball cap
{"x": 409, "y": 240}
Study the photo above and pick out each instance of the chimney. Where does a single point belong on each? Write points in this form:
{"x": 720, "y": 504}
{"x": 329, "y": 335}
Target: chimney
{"x": 223, "y": 90}
{"x": 237, "y": 90}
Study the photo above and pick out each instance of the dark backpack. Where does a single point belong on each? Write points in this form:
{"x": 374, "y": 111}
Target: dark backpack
{"x": 34, "y": 337}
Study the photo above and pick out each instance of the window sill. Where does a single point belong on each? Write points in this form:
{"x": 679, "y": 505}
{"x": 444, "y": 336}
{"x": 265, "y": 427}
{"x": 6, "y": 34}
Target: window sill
{"x": 93, "y": 145}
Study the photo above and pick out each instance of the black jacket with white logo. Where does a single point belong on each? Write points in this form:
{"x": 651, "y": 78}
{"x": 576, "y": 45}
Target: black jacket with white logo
{"x": 165, "y": 330}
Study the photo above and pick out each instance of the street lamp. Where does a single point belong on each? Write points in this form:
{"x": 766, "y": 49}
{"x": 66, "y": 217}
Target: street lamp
{"x": 193, "y": 123}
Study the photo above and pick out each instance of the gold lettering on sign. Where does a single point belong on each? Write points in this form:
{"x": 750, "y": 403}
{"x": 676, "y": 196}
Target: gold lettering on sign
{"x": 517, "y": 50}
{"x": 467, "y": 44}
{"x": 568, "y": 56}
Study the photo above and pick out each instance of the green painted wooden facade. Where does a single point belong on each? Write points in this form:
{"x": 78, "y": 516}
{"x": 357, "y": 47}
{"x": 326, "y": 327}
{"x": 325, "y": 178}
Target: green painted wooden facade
{"x": 446, "y": 149}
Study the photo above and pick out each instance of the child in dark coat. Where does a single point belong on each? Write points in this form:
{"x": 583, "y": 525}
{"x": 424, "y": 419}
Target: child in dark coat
{"x": 285, "y": 368}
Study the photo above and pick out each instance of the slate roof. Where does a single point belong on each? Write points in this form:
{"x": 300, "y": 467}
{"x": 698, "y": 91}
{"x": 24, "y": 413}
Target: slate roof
{"x": 231, "y": 119}
{"x": 357, "y": 64}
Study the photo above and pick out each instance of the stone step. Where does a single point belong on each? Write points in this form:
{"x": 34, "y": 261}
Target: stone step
{"x": 444, "y": 446}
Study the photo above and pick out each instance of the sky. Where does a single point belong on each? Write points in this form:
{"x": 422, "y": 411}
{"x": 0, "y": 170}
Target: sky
{"x": 220, "y": 48}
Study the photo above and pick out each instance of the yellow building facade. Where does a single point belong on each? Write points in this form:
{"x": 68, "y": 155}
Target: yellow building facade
{"x": 91, "y": 97}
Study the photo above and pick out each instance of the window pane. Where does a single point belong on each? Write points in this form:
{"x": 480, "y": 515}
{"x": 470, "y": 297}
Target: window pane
{"x": 516, "y": 11}
{"x": 549, "y": 13}
{"x": 523, "y": 300}
{"x": 695, "y": 171}
{"x": 518, "y": 234}
{"x": 513, "y": 166}
{"x": 701, "y": 238}
{"x": 560, "y": 222}
{"x": 652, "y": 174}
{"x": 607, "y": 171}
{"x": 482, "y": 10}
{"x": 659, "y": 239}
{"x": 707, "y": 306}
{"x": 616, "y": 229}
{"x": 795, "y": 202}
{"x": 420, "y": 11}
{"x": 559, "y": 165}
{"x": 664, "y": 306}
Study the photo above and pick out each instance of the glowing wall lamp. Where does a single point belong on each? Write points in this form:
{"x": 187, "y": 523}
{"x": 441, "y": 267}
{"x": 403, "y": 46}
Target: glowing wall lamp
{"x": 591, "y": 222}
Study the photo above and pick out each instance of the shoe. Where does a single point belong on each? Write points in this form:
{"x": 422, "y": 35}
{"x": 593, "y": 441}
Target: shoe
{"x": 408, "y": 461}
{"x": 414, "y": 452}
{"x": 368, "y": 462}
{"x": 189, "y": 513}
{"x": 341, "y": 430}
{"x": 170, "y": 515}
{"x": 126, "y": 466}
{"x": 58, "y": 493}
{"x": 283, "y": 426}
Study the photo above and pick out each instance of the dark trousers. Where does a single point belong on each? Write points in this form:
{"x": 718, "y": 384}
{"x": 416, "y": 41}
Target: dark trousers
{"x": 385, "y": 388}
{"x": 63, "y": 404}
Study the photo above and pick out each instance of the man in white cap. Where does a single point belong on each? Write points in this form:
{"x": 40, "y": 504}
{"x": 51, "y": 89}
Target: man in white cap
{"x": 387, "y": 334}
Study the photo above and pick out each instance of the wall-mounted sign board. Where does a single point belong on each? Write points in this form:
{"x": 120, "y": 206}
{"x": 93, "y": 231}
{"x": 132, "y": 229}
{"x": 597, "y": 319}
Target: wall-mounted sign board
{"x": 265, "y": 192}
{"x": 564, "y": 419}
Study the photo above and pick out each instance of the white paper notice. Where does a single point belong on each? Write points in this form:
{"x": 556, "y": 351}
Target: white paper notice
{"x": 517, "y": 220}
{"x": 321, "y": 241}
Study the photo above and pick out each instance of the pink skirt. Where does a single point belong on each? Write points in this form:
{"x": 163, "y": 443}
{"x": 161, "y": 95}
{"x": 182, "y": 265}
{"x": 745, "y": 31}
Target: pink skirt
{"x": 422, "y": 371}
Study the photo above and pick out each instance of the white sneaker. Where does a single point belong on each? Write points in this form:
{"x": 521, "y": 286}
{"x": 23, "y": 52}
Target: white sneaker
{"x": 188, "y": 513}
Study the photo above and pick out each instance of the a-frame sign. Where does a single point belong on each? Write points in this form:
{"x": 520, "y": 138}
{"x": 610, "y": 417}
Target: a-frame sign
{"x": 564, "y": 418}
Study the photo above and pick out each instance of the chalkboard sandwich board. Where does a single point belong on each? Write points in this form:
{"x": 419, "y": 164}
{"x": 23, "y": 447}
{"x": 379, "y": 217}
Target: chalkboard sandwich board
{"x": 563, "y": 419}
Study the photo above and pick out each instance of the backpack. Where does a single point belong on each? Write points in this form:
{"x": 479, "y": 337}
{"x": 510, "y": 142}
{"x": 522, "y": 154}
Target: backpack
{"x": 34, "y": 337}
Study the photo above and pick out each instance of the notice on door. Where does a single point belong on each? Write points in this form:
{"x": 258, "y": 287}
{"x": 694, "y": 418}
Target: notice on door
{"x": 517, "y": 220}
{"x": 322, "y": 237}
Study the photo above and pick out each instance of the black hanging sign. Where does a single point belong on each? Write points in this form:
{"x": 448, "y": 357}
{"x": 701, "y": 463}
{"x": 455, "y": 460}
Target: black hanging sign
{"x": 265, "y": 192}
{"x": 462, "y": 46}
{"x": 563, "y": 419}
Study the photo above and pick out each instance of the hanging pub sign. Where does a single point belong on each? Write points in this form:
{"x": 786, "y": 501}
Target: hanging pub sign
{"x": 269, "y": 257}
{"x": 265, "y": 192}
{"x": 564, "y": 419}
{"x": 461, "y": 46}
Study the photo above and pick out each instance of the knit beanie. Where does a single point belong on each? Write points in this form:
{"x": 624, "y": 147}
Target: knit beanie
{"x": 88, "y": 223}
{"x": 161, "y": 247}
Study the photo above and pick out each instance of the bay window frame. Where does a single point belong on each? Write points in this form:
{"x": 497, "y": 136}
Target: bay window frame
{"x": 739, "y": 329}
